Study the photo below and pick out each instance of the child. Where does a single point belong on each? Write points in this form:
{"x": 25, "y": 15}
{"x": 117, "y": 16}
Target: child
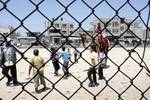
{"x": 38, "y": 70}
{"x": 92, "y": 70}
{"x": 65, "y": 57}
{"x": 55, "y": 60}
{"x": 102, "y": 61}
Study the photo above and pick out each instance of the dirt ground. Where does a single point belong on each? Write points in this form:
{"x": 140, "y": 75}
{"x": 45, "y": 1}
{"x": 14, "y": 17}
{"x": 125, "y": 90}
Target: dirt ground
{"x": 76, "y": 86}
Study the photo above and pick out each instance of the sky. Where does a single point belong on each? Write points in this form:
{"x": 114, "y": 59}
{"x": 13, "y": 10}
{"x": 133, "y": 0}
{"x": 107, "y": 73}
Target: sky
{"x": 52, "y": 9}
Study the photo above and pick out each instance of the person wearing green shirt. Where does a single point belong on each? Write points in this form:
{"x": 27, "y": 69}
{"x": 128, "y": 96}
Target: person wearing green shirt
{"x": 37, "y": 63}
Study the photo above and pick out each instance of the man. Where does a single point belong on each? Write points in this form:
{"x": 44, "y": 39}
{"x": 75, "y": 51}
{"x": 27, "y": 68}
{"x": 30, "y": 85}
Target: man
{"x": 9, "y": 63}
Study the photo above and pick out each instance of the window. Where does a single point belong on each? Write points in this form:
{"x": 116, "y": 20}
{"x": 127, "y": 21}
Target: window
{"x": 54, "y": 31}
{"x": 71, "y": 25}
{"x": 115, "y": 30}
{"x": 109, "y": 24}
{"x": 106, "y": 31}
{"x": 71, "y": 32}
{"x": 121, "y": 28}
{"x": 64, "y": 26}
{"x": 136, "y": 25}
{"x": 5, "y": 34}
{"x": 115, "y": 24}
{"x": 64, "y": 32}
{"x": 56, "y": 25}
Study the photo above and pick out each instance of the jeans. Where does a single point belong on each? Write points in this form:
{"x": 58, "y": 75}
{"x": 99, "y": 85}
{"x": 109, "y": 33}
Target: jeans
{"x": 13, "y": 72}
{"x": 91, "y": 72}
{"x": 100, "y": 71}
{"x": 56, "y": 65}
{"x": 65, "y": 67}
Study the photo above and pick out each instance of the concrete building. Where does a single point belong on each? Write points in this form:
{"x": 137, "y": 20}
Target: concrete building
{"x": 7, "y": 32}
{"x": 126, "y": 30}
{"x": 32, "y": 39}
{"x": 62, "y": 31}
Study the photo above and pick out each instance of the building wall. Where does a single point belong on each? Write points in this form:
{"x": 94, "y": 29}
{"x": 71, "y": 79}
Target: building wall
{"x": 116, "y": 27}
{"x": 113, "y": 28}
{"x": 7, "y": 31}
{"x": 60, "y": 30}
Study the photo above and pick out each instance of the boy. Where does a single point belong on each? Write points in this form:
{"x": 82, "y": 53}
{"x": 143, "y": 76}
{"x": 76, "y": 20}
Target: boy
{"x": 38, "y": 70}
{"x": 55, "y": 60}
{"x": 65, "y": 57}
{"x": 92, "y": 70}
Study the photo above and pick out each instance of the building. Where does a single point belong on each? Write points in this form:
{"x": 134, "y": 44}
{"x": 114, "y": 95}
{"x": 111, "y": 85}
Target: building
{"x": 126, "y": 31}
{"x": 7, "y": 32}
{"x": 61, "y": 31}
{"x": 33, "y": 34}
{"x": 25, "y": 41}
{"x": 32, "y": 39}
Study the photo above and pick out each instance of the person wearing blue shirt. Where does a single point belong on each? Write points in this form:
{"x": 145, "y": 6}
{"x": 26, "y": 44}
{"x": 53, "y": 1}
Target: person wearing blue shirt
{"x": 65, "y": 56}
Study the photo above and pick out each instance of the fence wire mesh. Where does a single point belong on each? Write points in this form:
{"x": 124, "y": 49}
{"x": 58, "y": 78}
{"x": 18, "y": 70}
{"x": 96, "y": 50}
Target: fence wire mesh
{"x": 121, "y": 78}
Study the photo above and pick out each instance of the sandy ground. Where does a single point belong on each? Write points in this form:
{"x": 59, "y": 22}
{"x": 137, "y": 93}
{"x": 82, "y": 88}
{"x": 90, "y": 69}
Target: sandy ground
{"x": 118, "y": 81}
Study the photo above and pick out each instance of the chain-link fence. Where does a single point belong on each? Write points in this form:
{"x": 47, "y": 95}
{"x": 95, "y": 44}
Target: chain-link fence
{"x": 126, "y": 77}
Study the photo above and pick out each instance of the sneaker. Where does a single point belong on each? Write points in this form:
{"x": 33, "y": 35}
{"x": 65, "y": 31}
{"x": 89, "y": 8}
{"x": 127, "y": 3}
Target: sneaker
{"x": 68, "y": 74}
{"x": 17, "y": 83}
{"x": 96, "y": 84}
{"x": 8, "y": 83}
{"x": 91, "y": 85}
{"x": 65, "y": 77}
{"x": 37, "y": 92}
{"x": 100, "y": 78}
{"x": 45, "y": 88}
{"x": 56, "y": 73}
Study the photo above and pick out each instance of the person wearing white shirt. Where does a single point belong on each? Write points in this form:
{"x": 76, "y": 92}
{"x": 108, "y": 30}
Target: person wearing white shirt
{"x": 92, "y": 71}
{"x": 9, "y": 63}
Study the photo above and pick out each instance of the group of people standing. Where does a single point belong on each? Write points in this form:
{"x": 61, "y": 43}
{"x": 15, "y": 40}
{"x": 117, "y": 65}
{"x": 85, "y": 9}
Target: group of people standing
{"x": 98, "y": 49}
{"x": 8, "y": 63}
{"x": 55, "y": 55}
